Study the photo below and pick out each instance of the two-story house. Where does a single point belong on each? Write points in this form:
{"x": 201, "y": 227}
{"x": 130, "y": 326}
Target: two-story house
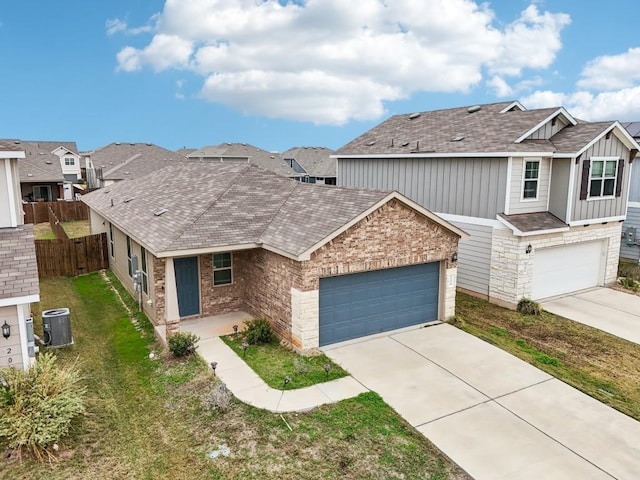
{"x": 18, "y": 268}
{"x": 315, "y": 163}
{"x": 542, "y": 193}
{"x": 630, "y": 245}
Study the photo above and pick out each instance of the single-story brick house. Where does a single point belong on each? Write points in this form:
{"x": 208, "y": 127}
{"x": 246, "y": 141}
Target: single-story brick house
{"x": 323, "y": 264}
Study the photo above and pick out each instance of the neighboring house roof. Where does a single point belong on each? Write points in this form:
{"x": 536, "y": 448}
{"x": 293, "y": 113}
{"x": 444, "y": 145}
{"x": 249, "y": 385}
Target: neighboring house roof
{"x": 18, "y": 263}
{"x": 316, "y": 161}
{"x": 497, "y": 128}
{"x": 185, "y": 151}
{"x": 120, "y": 161}
{"x": 243, "y": 152}
{"x": 10, "y": 146}
{"x": 39, "y": 164}
{"x": 231, "y": 206}
{"x": 633, "y": 128}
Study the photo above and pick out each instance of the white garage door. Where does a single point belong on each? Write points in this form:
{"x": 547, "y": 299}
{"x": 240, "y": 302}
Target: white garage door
{"x": 566, "y": 269}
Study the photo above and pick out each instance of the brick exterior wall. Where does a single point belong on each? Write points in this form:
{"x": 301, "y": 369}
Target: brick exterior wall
{"x": 222, "y": 298}
{"x": 158, "y": 267}
{"x": 512, "y": 268}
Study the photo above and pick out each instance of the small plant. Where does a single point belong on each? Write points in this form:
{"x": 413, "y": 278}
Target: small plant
{"x": 183, "y": 343}
{"x": 38, "y": 405}
{"x": 300, "y": 366}
{"x": 629, "y": 283}
{"x": 258, "y": 331}
{"x": 218, "y": 398}
{"x": 527, "y": 306}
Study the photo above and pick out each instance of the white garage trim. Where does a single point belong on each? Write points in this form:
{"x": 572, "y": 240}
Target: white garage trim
{"x": 567, "y": 268}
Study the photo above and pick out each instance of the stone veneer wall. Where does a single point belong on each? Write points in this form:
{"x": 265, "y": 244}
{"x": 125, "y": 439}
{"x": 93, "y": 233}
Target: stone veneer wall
{"x": 512, "y": 269}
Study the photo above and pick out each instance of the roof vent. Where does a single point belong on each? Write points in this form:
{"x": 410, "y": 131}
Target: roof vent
{"x": 48, "y": 162}
{"x": 107, "y": 191}
{"x": 117, "y": 143}
{"x": 127, "y": 200}
{"x": 405, "y": 144}
{"x": 29, "y": 174}
{"x": 474, "y": 108}
{"x": 159, "y": 212}
{"x": 148, "y": 144}
{"x": 458, "y": 138}
{"x": 132, "y": 144}
{"x": 17, "y": 142}
{"x": 371, "y": 143}
{"x": 127, "y": 173}
{"x": 42, "y": 153}
{"x": 414, "y": 115}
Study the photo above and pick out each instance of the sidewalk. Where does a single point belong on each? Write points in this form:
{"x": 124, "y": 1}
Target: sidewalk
{"x": 248, "y": 387}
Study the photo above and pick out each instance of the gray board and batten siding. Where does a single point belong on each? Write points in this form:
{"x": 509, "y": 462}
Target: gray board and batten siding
{"x": 474, "y": 257}
{"x": 473, "y": 187}
{"x": 631, "y": 252}
{"x": 611, "y": 206}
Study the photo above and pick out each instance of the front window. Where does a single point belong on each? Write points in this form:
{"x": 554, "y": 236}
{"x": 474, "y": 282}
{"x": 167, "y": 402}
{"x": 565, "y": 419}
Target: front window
{"x": 222, "y": 269}
{"x": 143, "y": 260}
{"x": 42, "y": 192}
{"x": 69, "y": 161}
{"x": 129, "y": 263}
{"x": 531, "y": 176}
{"x": 602, "y": 179}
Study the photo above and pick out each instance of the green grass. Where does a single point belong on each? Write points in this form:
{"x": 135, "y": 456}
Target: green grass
{"x": 146, "y": 418}
{"x": 75, "y": 229}
{"x": 273, "y": 363}
{"x": 601, "y": 365}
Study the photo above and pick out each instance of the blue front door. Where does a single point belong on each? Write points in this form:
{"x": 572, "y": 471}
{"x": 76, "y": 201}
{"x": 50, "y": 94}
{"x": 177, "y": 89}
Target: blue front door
{"x": 187, "y": 285}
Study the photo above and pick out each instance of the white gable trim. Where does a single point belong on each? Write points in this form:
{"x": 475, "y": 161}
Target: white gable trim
{"x": 511, "y": 105}
{"x": 446, "y": 155}
{"x": 306, "y": 255}
{"x": 621, "y": 133}
{"x": 560, "y": 111}
{"x": 5, "y": 302}
{"x": 11, "y": 154}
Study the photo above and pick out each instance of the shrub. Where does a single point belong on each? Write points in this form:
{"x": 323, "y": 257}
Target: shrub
{"x": 527, "y": 306}
{"x": 38, "y": 405}
{"x": 258, "y": 331}
{"x": 300, "y": 366}
{"x": 183, "y": 343}
{"x": 218, "y": 398}
{"x": 629, "y": 283}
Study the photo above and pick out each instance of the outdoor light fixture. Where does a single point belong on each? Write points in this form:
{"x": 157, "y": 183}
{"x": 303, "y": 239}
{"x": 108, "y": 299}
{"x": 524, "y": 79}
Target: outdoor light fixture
{"x": 235, "y": 330}
{"x": 6, "y": 330}
{"x": 326, "y": 368}
{"x": 213, "y": 366}
{"x": 528, "y": 249}
{"x": 287, "y": 379}
{"x": 245, "y": 345}
{"x": 454, "y": 257}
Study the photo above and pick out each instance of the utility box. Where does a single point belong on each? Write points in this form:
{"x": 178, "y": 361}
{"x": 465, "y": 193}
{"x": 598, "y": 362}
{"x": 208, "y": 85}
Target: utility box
{"x": 630, "y": 236}
{"x": 31, "y": 340}
{"x": 56, "y": 325}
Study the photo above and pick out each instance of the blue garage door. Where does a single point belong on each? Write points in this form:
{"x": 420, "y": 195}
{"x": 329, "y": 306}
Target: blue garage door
{"x": 360, "y": 304}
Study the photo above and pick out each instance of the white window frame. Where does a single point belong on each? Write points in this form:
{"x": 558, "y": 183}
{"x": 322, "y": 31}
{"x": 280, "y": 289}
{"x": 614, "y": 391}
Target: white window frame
{"x": 605, "y": 160}
{"x": 69, "y": 161}
{"x": 129, "y": 255}
{"x": 111, "y": 241}
{"x": 524, "y": 179}
{"x": 218, "y": 269}
{"x": 143, "y": 271}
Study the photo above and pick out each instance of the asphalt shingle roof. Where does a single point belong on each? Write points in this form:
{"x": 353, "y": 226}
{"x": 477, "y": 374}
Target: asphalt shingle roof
{"x": 218, "y": 205}
{"x": 18, "y": 262}
{"x": 456, "y": 130}
{"x": 120, "y": 161}
{"x": 316, "y": 161}
{"x": 239, "y": 152}
{"x": 39, "y": 164}
{"x": 534, "y": 222}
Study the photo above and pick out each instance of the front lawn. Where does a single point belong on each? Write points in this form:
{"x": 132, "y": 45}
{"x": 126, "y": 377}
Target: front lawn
{"x": 601, "y": 365}
{"x": 146, "y": 418}
{"x": 273, "y": 363}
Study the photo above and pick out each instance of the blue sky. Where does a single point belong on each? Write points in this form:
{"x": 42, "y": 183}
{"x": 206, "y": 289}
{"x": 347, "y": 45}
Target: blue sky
{"x": 318, "y": 72}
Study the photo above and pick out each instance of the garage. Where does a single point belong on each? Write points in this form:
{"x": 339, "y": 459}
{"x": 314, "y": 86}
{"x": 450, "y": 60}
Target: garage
{"x": 361, "y": 304}
{"x": 566, "y": 269}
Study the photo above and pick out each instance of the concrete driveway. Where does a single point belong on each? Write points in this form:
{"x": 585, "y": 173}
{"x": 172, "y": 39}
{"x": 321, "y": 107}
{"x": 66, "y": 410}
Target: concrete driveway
{"x": 493, "y": 414}
{"x": 606, "y": 309}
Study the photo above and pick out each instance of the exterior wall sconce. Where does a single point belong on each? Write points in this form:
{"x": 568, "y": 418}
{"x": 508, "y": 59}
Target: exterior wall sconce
{"x": 528, "y": 249}
{"x": 6, "y": 330}
{"x": 454, "y": 257}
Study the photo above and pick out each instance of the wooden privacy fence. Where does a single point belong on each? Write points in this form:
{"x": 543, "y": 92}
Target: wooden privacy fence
{"x": 57, "y": 229}
{"x": 71, "y": 257}
{"x": 65, "y": 211}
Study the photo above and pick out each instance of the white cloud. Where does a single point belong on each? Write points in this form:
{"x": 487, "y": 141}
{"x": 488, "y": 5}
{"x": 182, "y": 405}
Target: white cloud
{"x": 500, "y": 87}
{"x": 330, "y": 61}
{"x": 612, "y": 72}
{"x": 117, "y": 25}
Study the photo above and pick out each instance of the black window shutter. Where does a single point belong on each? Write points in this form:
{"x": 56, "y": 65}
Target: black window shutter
{"x": 619, "y": 177}
{"x": 585, "y": 179}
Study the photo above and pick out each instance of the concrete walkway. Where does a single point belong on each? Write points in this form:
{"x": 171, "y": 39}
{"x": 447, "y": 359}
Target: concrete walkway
{"x": 606, "y": 309}
{"x": 491, "y": 413}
